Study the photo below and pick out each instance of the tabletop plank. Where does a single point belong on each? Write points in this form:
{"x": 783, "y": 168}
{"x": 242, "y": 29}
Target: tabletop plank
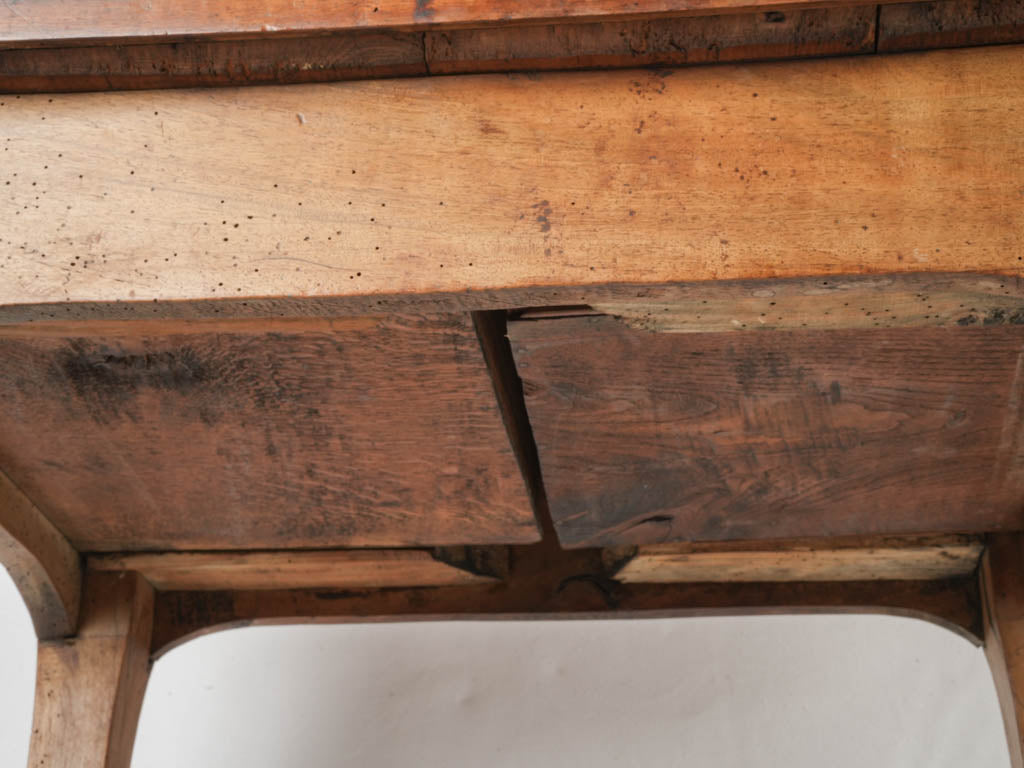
{"x": 901, "y": 164}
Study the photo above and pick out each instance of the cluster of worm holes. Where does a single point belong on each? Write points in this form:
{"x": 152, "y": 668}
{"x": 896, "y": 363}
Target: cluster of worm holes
{"x": 28, "y": 197}
{"x": 33, "y": 194}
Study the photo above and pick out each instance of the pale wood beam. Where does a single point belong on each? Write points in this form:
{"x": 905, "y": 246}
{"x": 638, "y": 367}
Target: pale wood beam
{"x": 309, "y": 569}
{"x": 863, "y": 559}
{"x": 795, "y": 169}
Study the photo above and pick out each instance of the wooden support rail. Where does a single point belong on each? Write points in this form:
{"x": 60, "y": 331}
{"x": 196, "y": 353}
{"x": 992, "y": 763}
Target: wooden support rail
{"x": 547, "y": 582}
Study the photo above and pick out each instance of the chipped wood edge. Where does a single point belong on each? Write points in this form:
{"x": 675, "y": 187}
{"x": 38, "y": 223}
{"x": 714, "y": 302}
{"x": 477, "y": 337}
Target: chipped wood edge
{"x": 309, "y": 569}
{"x": 895, "y": 300}
{"x": 45, "y": 568}
{"x": 889, "y": 559}
{"x": 828, "y": 304}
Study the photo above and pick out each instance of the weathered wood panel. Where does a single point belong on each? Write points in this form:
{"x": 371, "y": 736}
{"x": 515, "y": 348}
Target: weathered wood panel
{"x": 772, "y": 170}
{"x": 949, "y": 23}
{"x": 649, "y": 437}
{"x": 43, "y": 565}
{"x": 862, "y": 559}
{"x": 372, "y": 431}
{"x": 304, "y": 569}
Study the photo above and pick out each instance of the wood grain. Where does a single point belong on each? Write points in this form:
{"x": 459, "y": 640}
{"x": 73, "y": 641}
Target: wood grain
{"x": 648, "y": 438}
{"x": 304, "y": 569}
{"x": 1002, "y": 574}
{"x": 89, "y": 688}
{"x": 206, "y": 63}
{"x": 950, "y": 23}
{"x": 672, "y": 41}
{"x": 661, "y": 42}
{"x": 42, "y": 564}
{"x": 890, "y": 559}
{"x": 368, "y": 431}
{"x": 834, "y": 167}
{"x": 362, "y": 54}
{"x": 49, "y": 21}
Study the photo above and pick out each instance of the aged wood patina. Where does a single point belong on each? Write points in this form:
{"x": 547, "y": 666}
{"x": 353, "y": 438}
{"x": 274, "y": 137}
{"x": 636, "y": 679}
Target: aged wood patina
{"x": 625, "y": 342}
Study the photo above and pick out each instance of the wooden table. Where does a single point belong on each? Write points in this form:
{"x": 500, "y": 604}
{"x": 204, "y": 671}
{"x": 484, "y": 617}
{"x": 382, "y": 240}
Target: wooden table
{"x": 618, "y": 342}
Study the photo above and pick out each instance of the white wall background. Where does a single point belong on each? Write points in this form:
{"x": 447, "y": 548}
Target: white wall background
{"x": 799, "y": 692}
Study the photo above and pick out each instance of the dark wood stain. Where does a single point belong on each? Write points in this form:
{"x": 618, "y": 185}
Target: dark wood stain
{"x": 380, "y": 431}
{"x": 647, "y": 438}
{"x": 423, "y": 10}
{"x": 667, "y": 42}
{"x": 950, "y": 24}
{"x": 316, "y": 56}
{"x": 194, "y": 63}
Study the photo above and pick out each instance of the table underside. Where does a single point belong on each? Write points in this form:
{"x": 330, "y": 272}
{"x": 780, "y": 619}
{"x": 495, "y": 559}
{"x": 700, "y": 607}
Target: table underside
{"x": 617, "y": 343}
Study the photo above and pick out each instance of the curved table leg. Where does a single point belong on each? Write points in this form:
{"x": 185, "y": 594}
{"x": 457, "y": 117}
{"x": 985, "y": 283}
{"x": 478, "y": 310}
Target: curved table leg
{"x": 43, "y": 564}
{"x": 89, "y": 688}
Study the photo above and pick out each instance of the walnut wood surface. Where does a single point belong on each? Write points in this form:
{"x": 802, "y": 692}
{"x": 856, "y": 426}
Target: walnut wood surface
{"x": 370, "y": 431}
{"x": 43, "y": 565}
{"x": 792, "y": 169}
{"x": 89, "y": 688}
{"x": 647, "y": 438}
